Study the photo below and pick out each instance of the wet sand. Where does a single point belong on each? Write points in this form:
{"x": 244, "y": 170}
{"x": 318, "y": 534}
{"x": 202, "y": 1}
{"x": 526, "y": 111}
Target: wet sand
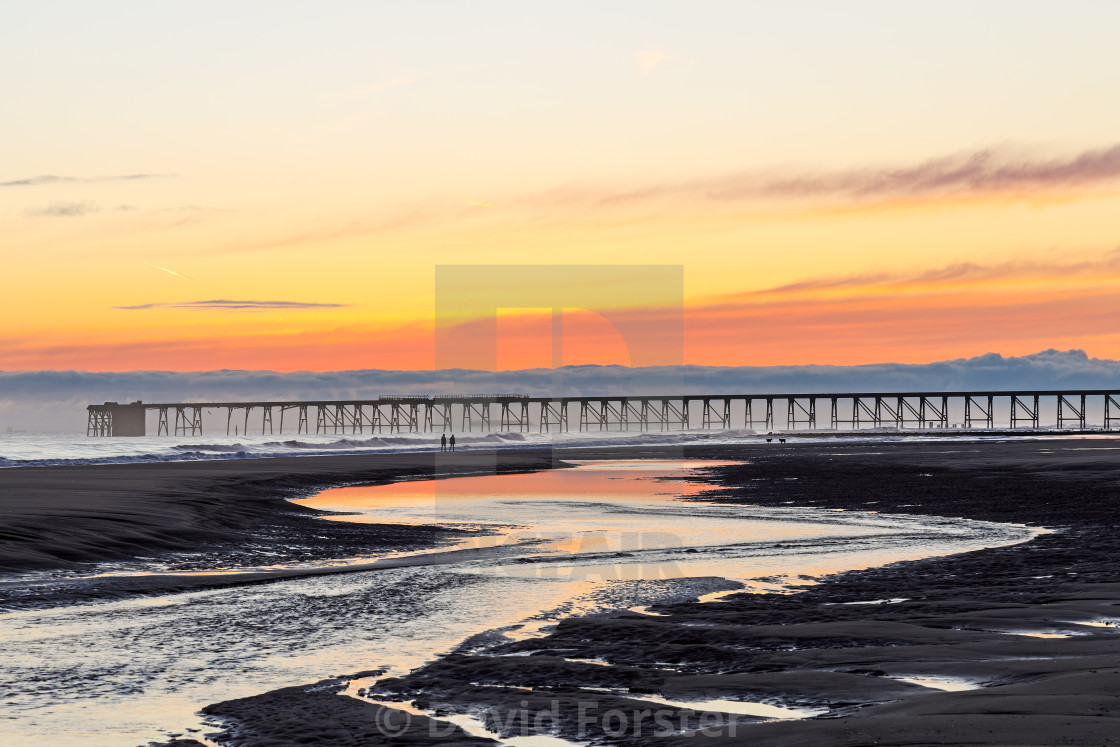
{"x": 847, "y": 645}
{"x": 63, "y": 517}
{"x": 844, "y": 647}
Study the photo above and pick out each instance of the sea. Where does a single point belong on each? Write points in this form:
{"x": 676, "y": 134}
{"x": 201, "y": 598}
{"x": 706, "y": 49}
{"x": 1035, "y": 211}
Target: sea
{"x": 27, "y": 449}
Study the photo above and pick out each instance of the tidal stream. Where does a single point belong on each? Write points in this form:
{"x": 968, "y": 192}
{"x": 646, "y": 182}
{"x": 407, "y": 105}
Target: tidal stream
{"x": 601, "y": 536}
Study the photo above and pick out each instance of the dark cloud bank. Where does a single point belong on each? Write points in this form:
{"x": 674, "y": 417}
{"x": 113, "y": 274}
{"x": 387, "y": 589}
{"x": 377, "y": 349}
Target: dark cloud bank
{"x": 56, "y": 400}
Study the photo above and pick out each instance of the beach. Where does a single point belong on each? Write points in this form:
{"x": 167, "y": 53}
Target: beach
{"x": 58, "y": 517}
{"x": 1009, "y": 645}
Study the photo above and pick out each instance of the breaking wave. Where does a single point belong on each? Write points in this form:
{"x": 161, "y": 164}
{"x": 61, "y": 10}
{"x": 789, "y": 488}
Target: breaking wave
{"x": 40, "y": 449}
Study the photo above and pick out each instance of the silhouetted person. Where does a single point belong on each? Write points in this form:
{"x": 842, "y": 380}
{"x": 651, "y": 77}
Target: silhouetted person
{"x": 443, "y": 442}
{"x": 452, "y": 442}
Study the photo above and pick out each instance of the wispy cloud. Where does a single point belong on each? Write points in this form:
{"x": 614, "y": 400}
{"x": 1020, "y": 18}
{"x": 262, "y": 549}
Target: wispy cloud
{"x": 170, "y": 272}
{"x": 227, "y": 304}
{"x": 64, "y": 210}
{"x": 958, "y": 276}
{"x": 992, "y": 175}
{"x": 39, "y": 181}
{"x": 985, "y": 172}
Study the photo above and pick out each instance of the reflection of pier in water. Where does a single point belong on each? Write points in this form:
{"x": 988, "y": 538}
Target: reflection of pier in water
{"x": 984, "y": 410}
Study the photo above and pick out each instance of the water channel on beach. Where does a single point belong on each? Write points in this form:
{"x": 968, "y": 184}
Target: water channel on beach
{"x": 600, "y": 536}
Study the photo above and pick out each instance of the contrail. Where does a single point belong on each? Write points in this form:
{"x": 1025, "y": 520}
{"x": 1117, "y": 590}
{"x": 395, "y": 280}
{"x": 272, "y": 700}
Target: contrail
{"x": 157, "y": 267}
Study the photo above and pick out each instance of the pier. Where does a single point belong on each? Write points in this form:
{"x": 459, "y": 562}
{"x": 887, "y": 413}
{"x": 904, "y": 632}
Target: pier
{"x": 1077, "y": 409}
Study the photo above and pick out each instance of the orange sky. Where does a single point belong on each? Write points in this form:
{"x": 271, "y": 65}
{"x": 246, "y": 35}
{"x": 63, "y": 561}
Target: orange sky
{"x": 278, "y": 191}
{"x": 956, "y": 313}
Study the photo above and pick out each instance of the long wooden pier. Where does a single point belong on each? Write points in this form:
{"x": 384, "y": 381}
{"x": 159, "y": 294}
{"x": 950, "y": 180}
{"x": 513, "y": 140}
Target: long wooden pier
{"x": 1076, "y": 409}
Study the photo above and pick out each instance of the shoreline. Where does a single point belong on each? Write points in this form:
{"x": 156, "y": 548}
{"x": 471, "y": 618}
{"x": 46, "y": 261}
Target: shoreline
{"x": 66, "y": 517}
{"x": 423, "y": 443}
{"x": 825, "y": 647}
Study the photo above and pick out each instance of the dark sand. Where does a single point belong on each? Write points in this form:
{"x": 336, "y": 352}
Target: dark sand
{"x": 62, "y": 517}
{"x": 963, "y": 615}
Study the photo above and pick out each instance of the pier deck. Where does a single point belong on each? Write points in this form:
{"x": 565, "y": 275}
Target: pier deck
{"x": 1034, "y": 409}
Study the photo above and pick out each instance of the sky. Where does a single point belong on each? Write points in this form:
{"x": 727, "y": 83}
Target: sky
{"x": 277, "y": 185}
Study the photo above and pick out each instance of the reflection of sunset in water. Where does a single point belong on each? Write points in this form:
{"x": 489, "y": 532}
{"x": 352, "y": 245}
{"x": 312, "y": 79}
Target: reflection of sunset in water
{"x": 592, "y": 480}
{"x": 624, "y": 520}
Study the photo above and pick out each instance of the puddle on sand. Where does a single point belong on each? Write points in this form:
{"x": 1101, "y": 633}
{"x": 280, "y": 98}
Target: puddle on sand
{"x": 596, "y": 662}
{"x": 948, "y": 684}
{"x": 1026, "y": 633}
{"x": 736, "y": 707}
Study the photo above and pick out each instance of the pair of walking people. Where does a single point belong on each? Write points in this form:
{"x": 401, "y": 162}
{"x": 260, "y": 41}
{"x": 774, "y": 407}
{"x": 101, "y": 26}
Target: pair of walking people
{"x": 445, "y": 445}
